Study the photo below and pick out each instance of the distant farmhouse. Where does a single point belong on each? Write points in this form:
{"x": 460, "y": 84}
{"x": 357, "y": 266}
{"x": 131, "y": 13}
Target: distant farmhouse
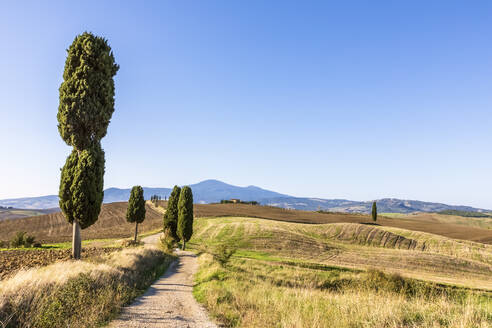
{"x": 238, "y": 201}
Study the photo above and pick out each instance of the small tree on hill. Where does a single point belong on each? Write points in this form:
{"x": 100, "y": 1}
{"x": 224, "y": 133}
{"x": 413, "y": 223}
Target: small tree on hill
{"x": 136, "y": 208}
{"x": 171, "y": 215}
{"x": 185, "y": 215}
{"x": 86, "y": 105}
{"x": 374, "y": 212}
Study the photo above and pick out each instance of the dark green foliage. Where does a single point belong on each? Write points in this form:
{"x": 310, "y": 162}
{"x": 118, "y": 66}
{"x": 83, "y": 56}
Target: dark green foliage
{"x": 223, "y": 254}
{"x": 167, "y": 244}
{"x": 466, "y": 213}
{"x": 18, "y": 239}
{"x": 29, "y": 240}
{"x": 136, "y": 206}
{"x": 22, "y": 239}
{"x": 155, "y": 199}
{"x": 171, "y": 215}
{"x": 87, "y": 92}
{"x": 185, "y": 214}
{"x": 84, "y": 112}
{"x": 374, "y": 212}
{"x": 81, "y": 185}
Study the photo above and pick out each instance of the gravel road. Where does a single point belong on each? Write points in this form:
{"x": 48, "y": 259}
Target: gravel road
{"x": 169, "y": 301}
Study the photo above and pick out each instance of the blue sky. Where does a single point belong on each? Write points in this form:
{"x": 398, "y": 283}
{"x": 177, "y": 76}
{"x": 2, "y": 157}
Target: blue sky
{"x": 354, "y": 99}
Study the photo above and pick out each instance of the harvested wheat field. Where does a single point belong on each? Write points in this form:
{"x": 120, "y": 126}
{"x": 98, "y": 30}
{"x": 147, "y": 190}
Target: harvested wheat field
{"x": 425, "y": 222}
{"x": 413, "y": 254}
{"x": 54, "y": 228}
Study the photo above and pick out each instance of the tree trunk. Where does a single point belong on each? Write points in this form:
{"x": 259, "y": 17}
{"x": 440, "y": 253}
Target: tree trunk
{"x": 76, "y": 241}
{"x": 184, "y": 244}
{"x": 136, "y": 231}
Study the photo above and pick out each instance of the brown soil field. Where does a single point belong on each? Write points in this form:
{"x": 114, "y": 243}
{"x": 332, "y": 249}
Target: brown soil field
{"x": 13, "y": 260}
{"x": 54, "y": 228}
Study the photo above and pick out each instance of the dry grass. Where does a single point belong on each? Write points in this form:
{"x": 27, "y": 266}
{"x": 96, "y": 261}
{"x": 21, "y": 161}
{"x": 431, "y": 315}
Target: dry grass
{"x": 298, "y": 275}
{"x": 78, "y": 293}
{"x": 478, "y": 222}
{"x": 354, "y": 246}
{"x": 252, "y": 293}
{"x": 397, "y": 238}
{"x": 14, "y": 260}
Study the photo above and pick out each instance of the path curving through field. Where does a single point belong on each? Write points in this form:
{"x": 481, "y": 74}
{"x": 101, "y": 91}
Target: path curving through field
{"x": 169, "y": 302}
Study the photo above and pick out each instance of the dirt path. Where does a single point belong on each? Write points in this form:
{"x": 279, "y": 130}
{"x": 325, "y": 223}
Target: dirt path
{"x": 169, "y": 301}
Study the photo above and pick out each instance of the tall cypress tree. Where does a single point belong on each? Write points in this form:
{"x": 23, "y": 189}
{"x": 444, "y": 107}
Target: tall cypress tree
{"x": 185, "y": 215}
{"x": 84, "y": 112}
{"x": 171, "y": 215}
{"x": 374, "y": 212}
{"x": 136, "y": 208}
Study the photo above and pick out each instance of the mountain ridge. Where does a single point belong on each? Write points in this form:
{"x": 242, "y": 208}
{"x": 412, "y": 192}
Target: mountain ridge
{"x": 213, "y": 191}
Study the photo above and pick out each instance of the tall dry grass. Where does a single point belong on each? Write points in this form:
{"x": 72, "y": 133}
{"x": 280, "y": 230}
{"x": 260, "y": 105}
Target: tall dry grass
{"x": 78, "y": 293}
{"x": 251, "y": 293}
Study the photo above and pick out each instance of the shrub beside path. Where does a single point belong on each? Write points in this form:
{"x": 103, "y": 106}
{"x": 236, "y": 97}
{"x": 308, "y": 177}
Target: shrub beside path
{"x": 169, "y": 302}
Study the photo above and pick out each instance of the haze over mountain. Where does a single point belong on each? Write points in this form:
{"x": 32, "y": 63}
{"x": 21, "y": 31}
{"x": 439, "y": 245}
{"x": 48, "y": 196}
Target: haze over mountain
{"x": 212, "y": 191}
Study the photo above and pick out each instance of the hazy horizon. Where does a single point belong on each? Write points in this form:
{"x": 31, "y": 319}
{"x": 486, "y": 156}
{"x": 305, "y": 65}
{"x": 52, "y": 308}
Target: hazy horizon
{"x": 280, "y": 192}
{"x": 355, "y": 101}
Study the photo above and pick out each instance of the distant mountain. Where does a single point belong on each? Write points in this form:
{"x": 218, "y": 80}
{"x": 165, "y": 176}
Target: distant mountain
{"x": 385, "y": 205}
{"x": 211, "y": 191}
{"x": 208, "y": 191}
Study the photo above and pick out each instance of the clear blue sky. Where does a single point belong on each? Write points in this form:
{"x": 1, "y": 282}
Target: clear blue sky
{"x": 354, "y": 99}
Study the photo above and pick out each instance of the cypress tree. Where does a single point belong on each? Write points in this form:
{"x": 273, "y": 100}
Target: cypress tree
{"x": 185, "y": 215}
{"x": 85, "y": 108}
{"x": 136, "y": 208}
{"x": 374, "y": 212}
{"x": 171, "y": 215}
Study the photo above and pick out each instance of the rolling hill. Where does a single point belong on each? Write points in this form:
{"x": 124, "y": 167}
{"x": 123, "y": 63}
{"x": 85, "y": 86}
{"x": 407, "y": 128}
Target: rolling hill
{"x": 53, "y": 227}
{"x": 213, "y": 191}
{"x": 112, "y": 223}
{"x": 15, "y": 213}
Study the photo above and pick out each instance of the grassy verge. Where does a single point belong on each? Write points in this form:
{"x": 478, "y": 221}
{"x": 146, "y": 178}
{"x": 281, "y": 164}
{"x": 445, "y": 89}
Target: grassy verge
{"x": 79, "y": 293}
{"x": 258, "y": 292}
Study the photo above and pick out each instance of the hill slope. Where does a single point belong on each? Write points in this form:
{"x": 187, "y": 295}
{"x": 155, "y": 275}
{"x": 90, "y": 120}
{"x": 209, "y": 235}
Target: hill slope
{"x": 413, "y": 254}
{"x": 112, "y": 223}
{"x": 54, "y": 228}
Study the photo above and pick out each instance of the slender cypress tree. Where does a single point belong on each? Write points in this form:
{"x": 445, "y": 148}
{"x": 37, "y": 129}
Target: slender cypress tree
{"x": 374, "y": 212}
{"x": 136, "y": 208}
{"x": 171, "y": 215}
{"x": 85, "y": 109}
{"x": 185, "y": 215}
